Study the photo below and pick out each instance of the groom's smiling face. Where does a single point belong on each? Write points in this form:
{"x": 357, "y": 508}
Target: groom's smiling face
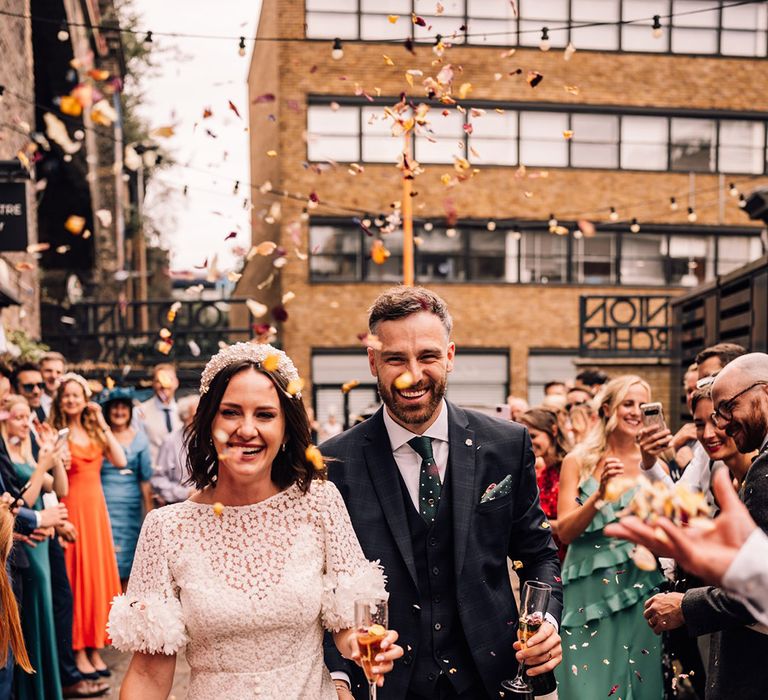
{"x": 417, "y": 344}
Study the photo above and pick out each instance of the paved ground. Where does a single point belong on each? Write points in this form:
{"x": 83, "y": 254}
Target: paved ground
{"x": 118, "y": 662}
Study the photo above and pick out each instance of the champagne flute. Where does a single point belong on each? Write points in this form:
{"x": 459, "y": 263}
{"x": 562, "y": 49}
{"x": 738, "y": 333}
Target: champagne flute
{"x": 534, "y": 599}
{"x": 371, "y": 621}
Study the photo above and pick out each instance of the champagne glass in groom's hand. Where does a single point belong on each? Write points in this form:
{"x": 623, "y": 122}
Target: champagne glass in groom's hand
{"x": 534, "y": 600}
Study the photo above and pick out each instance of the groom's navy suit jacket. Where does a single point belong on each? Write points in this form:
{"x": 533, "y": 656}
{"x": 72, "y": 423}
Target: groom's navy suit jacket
{"x": 482, "y": 452}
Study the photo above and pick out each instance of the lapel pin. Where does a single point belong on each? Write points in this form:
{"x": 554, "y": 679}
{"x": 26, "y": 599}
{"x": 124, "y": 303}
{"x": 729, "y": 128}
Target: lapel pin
{"x": 468, "y": 442}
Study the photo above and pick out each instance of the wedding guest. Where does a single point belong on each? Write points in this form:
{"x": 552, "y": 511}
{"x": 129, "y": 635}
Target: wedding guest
{"x": 126, "y": 489}
{"x": 555, "y": 388}
{"x": 577, "y": 396}
{"x": 550, "y": 446}
{"x": 36, "y": 604}
{"x": 52, "y": 366}
{"x": 159, "y": 414}
{"x": 170, "y": 474}
{"x": 517, "y": 406}
{"x": 28, "y": 382}
{"x": 11, "y": 637}
{"x": 684, "y": 440}
{"x": 6, "y": 377}
{"x": 602, "y": 619}
{"x": 330, "y": 427}
{"x": 257, "y": 562}
{"x": 583, "y": 418}
{"x": 592, "y": 378}
{"x": 90, "y": 560}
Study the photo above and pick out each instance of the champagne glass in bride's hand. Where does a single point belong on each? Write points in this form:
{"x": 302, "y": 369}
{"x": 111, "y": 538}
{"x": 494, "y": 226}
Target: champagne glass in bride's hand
{"x": 371, "y": 621}
{"x": 534, "y": 600}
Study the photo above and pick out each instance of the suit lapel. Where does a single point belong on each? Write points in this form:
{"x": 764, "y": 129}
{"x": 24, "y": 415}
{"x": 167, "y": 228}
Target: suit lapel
{"x": 384, "y": 477}
{"x": 461, "y": 458}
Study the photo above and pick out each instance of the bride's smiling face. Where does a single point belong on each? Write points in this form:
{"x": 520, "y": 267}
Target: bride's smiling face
{"x": 249, "y": 427}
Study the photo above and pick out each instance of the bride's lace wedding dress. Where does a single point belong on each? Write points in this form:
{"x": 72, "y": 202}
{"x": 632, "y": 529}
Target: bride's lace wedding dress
{"x": 248, "y": 592}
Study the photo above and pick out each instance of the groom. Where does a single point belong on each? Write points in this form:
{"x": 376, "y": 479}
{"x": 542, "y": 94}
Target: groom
{"x": 417, "y": 478}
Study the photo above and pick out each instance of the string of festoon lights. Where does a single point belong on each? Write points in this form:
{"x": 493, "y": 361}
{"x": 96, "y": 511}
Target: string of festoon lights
{"x": 654, "y": 22}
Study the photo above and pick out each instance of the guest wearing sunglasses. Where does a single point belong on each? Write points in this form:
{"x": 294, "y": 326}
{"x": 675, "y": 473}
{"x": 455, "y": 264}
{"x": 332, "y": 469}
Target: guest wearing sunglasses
{"x": 28, "y": 382}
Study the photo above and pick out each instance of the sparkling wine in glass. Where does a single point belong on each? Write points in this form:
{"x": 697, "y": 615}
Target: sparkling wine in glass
{"x": 371, "y": 621}
{"x": 534, "y": 599}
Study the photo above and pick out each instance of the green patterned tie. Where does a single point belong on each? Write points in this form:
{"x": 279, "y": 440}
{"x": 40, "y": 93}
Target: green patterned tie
{"x": 429, "y": 480}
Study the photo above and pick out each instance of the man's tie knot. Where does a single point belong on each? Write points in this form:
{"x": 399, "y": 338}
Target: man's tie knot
{"x": 422, "y": 445}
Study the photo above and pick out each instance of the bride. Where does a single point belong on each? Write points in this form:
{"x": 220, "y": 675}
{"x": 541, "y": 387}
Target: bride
{"x": 250, "y": 570}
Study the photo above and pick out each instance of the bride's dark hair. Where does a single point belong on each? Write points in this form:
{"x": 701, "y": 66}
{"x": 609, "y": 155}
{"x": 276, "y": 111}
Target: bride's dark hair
{"x": 290, "y": 466}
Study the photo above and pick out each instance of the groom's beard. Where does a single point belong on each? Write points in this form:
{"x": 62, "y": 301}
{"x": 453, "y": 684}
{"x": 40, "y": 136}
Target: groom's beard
{"x": 409, "y": 414}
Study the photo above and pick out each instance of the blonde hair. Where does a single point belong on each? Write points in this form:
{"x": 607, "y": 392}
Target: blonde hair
{"x": 590, "y": 451}
{"x": 58, "y": 419}
{"x": 26, "y": 444}
{"x": 10, "y": 625}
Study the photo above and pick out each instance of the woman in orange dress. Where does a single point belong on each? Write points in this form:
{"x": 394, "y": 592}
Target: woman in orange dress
{"x": 90, "y": 560}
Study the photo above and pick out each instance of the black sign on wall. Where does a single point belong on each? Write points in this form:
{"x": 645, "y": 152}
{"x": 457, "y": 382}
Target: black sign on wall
{"x": 13, "y": 216}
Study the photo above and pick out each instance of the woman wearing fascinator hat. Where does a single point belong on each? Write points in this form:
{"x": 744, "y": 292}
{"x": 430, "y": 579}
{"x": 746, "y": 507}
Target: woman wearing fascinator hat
{"x": 90, "y": 559}
{"x": 250, "y": 571}
{"x": 126, "y": 489}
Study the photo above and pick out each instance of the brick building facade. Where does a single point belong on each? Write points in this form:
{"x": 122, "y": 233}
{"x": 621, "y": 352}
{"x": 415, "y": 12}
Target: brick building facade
{"x": 617, "y": 128}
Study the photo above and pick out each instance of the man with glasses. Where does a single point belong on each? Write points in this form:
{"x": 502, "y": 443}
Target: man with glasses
{"x": 737, "y": 650}
{"x": 28, "y": 381}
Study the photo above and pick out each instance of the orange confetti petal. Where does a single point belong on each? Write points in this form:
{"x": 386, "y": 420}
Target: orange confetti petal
{"x": 271, "y": 362}
{"x": 404, "y": 381}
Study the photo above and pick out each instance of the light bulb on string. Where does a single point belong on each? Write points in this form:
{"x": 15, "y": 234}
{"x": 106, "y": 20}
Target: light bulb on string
{"x": 733, "y": 190}
{"x": 516, "y": 234}
{"x": 656, "y": 28}
{"x": 491, "y": 225}
{"x": 552, "y": 222}
{"x": 544, "y": 44}
{"x": 428, "y": 226}
{"x": 63, "y": 33}
{"x": 614, "y": 215}
{"x": 692, "y": 215}
{"x": 241, "y": 46}
{"x": 742, "y": 201}
{"x": 634, "y": 226}
{"x": 337, "y": 53}
{"x": 236, "y": 188}
{"x": 673, "y": 204}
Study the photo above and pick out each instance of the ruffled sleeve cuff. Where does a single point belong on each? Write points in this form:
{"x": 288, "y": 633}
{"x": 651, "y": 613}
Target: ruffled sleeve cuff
{"x": 150, "y": 624}
{"x": 341, "y": 591}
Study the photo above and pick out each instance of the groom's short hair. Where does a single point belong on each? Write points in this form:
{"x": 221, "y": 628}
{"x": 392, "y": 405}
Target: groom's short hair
{"x": 400, "y": 302}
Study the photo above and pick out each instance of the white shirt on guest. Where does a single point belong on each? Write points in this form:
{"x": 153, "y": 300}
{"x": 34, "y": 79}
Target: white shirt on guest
{"x": 408, "y": 460}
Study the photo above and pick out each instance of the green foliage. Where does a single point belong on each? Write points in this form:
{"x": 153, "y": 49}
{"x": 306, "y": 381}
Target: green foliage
{"x": 29, "y": 350}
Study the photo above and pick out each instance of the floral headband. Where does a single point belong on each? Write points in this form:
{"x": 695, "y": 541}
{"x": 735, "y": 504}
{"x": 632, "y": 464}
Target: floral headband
{"x": 74, "y": 377}
{"x": 251, "y": 352}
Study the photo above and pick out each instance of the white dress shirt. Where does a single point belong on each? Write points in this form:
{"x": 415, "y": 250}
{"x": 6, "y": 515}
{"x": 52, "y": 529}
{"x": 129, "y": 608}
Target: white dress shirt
{"x": 408, "y": 460}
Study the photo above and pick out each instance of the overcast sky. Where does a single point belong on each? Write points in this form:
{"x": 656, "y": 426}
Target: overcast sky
{"x": 210, "y": 75}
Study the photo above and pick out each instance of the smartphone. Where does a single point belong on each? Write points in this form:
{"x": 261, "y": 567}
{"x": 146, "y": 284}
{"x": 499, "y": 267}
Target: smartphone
{"x": 62, "y": 436}
{"x": 503, "y": 411}
{"x": 653, "y": 414}
{"x": 50, "y": 499}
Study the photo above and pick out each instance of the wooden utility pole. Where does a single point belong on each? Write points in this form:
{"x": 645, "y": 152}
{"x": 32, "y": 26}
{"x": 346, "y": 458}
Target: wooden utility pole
{"x": 408, "y": 267}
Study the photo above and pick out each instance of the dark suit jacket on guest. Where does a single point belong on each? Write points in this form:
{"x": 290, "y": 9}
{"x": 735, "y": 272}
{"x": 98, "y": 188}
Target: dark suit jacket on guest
{"x": 738, "y": 654}
{"x": 482, "y": 452}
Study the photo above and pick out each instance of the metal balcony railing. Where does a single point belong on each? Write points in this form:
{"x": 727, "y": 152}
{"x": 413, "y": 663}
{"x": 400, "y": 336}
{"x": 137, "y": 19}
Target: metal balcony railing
{"x": 111, "y": 332}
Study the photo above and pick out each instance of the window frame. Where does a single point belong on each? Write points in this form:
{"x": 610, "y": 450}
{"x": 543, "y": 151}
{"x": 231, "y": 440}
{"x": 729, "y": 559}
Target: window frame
{"x": 573, "y": 262}
{"x": 513, "y": 36}
{"x": 519, "y": 109}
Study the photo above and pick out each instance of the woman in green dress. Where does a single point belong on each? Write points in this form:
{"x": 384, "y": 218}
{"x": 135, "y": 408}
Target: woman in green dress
{"x": 36, "y": 605}
{"x": 608, "y": 648}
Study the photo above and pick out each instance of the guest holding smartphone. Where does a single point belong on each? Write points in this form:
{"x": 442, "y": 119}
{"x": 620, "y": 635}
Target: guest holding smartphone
{"x": 36, "y": 603}
{"x": 90, "y": 560}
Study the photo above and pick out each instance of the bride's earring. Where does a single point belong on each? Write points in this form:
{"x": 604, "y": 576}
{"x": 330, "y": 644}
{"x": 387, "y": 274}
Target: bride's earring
{"x": 283, "y": 446}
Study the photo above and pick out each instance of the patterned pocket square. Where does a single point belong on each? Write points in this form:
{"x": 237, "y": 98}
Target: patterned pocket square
{"x": 495, "y": 491}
